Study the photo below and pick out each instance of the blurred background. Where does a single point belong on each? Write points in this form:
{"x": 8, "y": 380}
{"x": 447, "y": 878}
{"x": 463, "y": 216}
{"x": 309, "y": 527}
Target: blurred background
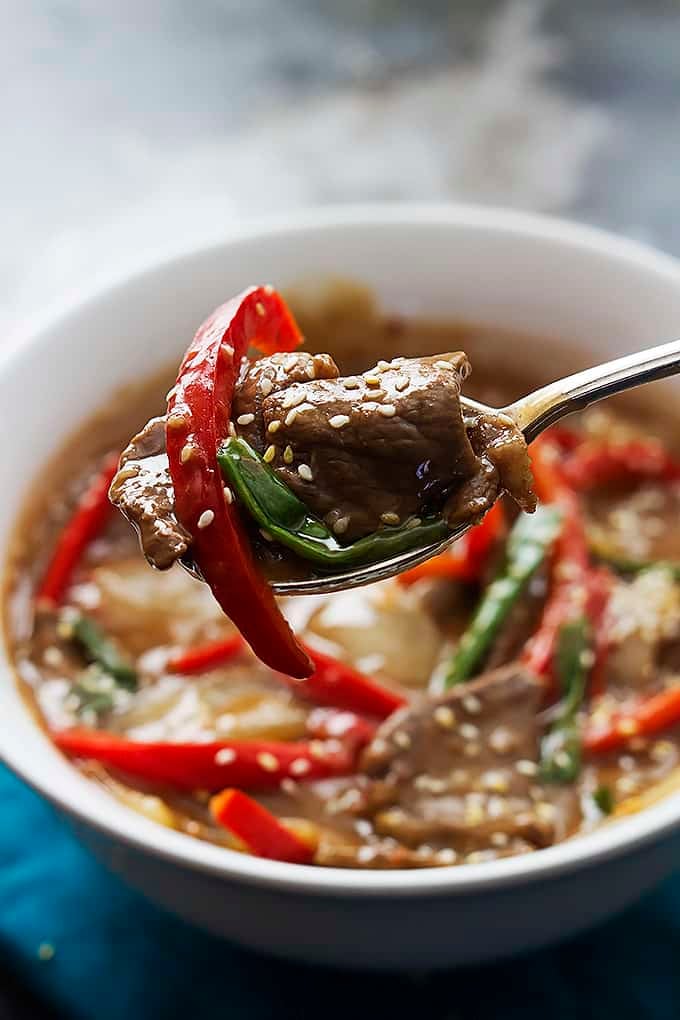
{"x": 129, "y": 126}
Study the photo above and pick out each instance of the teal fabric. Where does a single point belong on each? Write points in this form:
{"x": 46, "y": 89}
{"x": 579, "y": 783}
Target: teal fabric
{"x": 119, "y": 958}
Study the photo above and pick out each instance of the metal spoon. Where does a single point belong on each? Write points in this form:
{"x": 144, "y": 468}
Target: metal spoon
{"x": 532, "y": 414}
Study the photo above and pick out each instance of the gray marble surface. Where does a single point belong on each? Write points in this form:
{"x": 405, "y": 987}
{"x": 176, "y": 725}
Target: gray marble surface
{"x": 134, "y": 124}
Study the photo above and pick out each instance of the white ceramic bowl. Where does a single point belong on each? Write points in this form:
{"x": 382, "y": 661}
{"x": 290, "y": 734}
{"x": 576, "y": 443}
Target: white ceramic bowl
{"x": 603, "y": 295}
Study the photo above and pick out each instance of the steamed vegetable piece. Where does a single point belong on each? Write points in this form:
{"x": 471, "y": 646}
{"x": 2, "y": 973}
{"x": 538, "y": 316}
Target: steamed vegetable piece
{"x": 252, "y": 764}
{"x": 275, "y": 509}
{"x": 91, "y": 514}
{"x": 261, "y": 831}
{"x": 528, "y": 544}
{"x": 99, "y": 649}
{"x": 467, "y": 558}
{"x": 199, "y": 412}
{"x": 561, "y": 746}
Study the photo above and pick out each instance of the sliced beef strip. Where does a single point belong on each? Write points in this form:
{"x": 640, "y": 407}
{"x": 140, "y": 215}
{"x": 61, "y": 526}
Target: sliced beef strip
{"x": 260, "y": 379}
{"x": 387, "y": 445}
{"x": 458, "y": 771}
{"x": 142, "y": 490}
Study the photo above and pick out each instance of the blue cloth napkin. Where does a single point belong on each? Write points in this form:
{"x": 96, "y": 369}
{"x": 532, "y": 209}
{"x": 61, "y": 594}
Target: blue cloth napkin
{"x": 117, "y": 957}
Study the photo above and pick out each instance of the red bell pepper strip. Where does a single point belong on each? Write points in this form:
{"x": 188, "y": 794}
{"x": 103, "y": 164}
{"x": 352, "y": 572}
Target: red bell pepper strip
{"x": 570, "y": 564}
{"x": 594, "y": 464}
{"x": 90, "y": 516}
{"x": 202, "y": 658}
{"x": 252, "y": 764}
{"x": 466, "y": 558}
{"x": 261, "y": 831}
{"x": 199, "y": 411}
{"x": 654, "y": 714}
{"x": 339, "y": 685}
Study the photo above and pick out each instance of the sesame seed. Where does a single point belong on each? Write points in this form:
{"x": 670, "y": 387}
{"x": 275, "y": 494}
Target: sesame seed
{"x": 390, "y": 518}
{"x": 267, "y": 535}
{"x": 382, "y": 365}
{"x": 290, "y": 417}
{"x": 206, "y": 519}
{"x": 305, "y": 472}
{"x": 494, "y": 781}
{"x": 231, "y": 429}
{"x": 288, "y": 786}
{"x": 341, "y": 525}
{"x": 499, "y": 839}
{"x": 269, "y": 762}
{"x": 502, "y": 740}
{"x": 351, "y": 383}
{"x": 299, "y": 766}
{"x": 429, "y": 784}
{"x": 372, "y": 380}
{"x": 274, "y": 425}
{"x": 293, "y": 397}
{"x": 317, "y": 749}
{"x": 660, "y": 750}
{"x": 387, "y": 410}
{"x": 269, "y": 454}
{"x": 446, "y": 856}
{"x": 338, "y": 421}
{"x": 245, "y": 419}
{"x": 186, "y": 453}
{"x": 526, "y": 767}
{"x": 401, "y": 383}
{"x": 474, "y": 814}
{"x": 266, "y": 386}
{"x": 562, "y": 760}
{"x": 415, "y": 522}
{"x": 545, "y": 812}
{"x": 472, "y": 704}
{"x": 225, "y": 756}
{"x": 628, "y": 727}
{"x": 310, "y": 371}
{"x": 402, "y": 739}
{"x": 444, "y": 717}
{"x": 192, "y": 827}
{"x": 176, "y": 421}
{"x": 228, "y": 494}
{"x": 53, "y": 656}
{"x": 288, "y": 455}
{"x": 626, "y": 784}
{"x": 259, "y": 308}
{"x": 227, "y": 351}
{"x": 444, "y": 364}
{"x": 468, "y": 731}
{"x": 45, "y": 951}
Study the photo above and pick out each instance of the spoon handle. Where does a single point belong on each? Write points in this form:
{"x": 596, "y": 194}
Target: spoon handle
{"x": 544, "y": 407}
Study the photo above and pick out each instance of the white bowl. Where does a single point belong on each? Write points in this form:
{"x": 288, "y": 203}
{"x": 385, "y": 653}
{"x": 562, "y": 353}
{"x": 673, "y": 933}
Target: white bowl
{"x": 603, "y": 295}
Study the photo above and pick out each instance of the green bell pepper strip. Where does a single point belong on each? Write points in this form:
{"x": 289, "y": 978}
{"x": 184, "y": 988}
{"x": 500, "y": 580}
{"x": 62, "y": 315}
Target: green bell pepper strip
{"x": 528, "y": 543}
{"x": 561, "y": 746}
{"x": 99, "y": 649}
{"x": 278, "y": 511}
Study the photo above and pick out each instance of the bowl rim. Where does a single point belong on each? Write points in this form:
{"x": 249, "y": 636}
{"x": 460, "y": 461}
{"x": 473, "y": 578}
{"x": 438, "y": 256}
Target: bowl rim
{"x": 118, "y": 822}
